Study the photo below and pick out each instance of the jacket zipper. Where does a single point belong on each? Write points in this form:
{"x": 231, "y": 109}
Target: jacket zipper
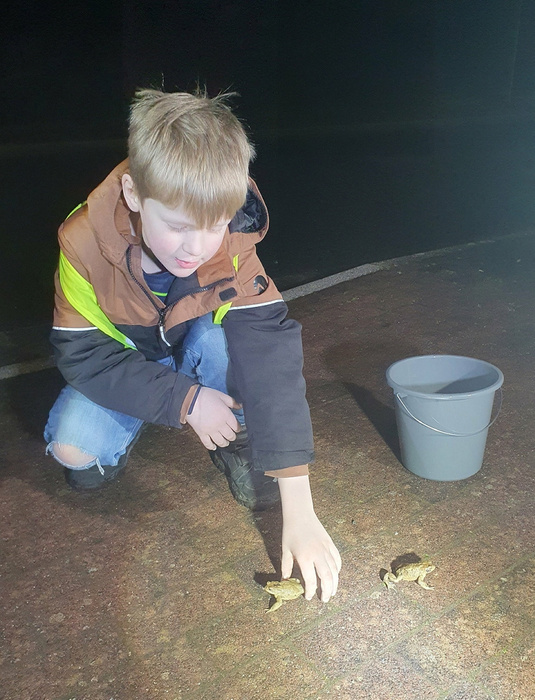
{"x": 163, "y": 312}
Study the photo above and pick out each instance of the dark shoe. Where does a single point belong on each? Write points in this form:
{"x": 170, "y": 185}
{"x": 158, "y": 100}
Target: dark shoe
{"x": 248, "y": 486}
{"x": 93, "y": 479}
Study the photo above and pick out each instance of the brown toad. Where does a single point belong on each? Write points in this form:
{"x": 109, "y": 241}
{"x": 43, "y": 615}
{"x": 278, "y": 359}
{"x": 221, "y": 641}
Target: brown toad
{"x": 287, "y": 589}
{"x": 415, "y": 571}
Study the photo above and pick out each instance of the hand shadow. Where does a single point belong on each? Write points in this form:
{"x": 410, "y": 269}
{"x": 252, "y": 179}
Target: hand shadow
{"x": 269, "y": 524}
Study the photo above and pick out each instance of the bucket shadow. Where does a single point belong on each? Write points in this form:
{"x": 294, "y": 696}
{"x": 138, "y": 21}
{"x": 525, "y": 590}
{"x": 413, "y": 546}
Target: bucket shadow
{"x": 381, "y": 416}
{"x": 348, "y": 361}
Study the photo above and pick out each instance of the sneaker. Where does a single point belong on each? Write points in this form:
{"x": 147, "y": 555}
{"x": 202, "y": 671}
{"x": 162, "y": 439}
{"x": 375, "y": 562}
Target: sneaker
{"x": 248, "y": 486}
{"x": 94, "y": 478}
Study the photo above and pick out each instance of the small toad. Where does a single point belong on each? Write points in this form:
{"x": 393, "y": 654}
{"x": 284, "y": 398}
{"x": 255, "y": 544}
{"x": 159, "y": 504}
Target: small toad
{"x": 287, "y": 589}
{"x": 416, "y": 571}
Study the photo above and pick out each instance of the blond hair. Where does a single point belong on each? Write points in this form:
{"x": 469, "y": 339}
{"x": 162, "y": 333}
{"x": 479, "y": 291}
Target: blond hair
{"x": 191, "y": 151}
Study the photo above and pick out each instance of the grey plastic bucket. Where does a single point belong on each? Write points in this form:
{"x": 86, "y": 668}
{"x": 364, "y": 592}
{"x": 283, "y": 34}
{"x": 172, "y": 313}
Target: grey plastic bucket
{"x": 443, "y": 413}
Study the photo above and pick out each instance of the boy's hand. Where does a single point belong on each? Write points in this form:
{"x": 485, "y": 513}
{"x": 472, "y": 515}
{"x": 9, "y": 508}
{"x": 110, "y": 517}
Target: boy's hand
{"x": 305, "y": 541}
{"x": 212, "y": 419}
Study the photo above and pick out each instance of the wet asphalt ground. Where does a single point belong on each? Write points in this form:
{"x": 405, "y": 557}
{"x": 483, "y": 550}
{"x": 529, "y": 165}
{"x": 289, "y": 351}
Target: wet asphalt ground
{"x": 152, "y": 588}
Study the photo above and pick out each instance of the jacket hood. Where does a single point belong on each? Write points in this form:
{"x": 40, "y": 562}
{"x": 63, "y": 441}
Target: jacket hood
{"x": 109, "y": 212}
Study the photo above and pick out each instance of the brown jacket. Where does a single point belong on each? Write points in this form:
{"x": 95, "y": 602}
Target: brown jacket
{"x": 264, "y": 346}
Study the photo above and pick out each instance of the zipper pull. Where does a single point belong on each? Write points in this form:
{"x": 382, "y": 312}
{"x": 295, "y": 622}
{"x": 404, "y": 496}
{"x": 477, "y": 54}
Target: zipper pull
{"x": 161, "y": 314}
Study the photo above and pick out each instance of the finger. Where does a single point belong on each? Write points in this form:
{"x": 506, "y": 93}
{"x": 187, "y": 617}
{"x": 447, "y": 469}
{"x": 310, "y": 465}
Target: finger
{"x": 334, "y": 579}
{"x": 233, "y": 423}
{"x": 228, "y": 433}
{"x": 220, "y": 440}
{"x": 328, "y": 569}
{"x": 207, "y": 442}
{"x": 310, "y": 580}
{"x": 229, "y": 400}
{"x": 325, "y": 576}
{"x": 335, "y": 563}
{"x": 336, "y": 555}
{"x": 287, "y": 563}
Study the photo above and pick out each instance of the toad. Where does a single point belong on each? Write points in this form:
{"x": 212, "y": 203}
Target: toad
{"x": 287, "y": 589}
{"x": 416, "y": 571}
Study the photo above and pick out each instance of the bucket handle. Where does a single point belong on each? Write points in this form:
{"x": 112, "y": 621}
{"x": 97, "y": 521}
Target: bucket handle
{"x": 443, "y": 432}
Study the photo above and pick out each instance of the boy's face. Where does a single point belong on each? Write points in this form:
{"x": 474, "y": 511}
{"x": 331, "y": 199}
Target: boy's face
{"x": 172, "y": 238}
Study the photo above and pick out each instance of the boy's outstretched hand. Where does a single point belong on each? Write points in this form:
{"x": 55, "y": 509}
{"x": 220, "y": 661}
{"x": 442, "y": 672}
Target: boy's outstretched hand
{"x": 305, "y": 541}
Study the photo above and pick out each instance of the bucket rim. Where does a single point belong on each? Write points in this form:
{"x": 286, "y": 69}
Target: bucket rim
{"x": 400, "y": 389}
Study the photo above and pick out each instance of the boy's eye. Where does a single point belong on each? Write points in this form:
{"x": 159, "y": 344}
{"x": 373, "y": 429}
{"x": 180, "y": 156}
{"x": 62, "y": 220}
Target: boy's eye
{"x": 187, "y": 229}
{"x": 218, "y": 228}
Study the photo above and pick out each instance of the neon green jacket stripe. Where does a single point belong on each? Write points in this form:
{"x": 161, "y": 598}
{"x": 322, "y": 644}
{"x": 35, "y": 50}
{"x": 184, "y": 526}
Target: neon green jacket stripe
{"x": 81, "y": 296}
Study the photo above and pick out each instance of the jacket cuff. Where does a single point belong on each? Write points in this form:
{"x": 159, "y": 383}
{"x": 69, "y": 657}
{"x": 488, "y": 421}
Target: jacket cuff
{"x": 191, "y": 396}
{"x": 301, "y": 470}
{"x": 275, "y": 461}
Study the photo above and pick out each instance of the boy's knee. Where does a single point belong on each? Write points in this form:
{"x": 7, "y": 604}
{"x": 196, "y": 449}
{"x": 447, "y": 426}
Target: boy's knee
{"x": 72, "y": 456}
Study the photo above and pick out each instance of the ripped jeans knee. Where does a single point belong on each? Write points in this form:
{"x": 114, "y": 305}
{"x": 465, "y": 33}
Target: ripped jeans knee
{"x": 72, "y": 457}
{"x": 80, "y": 434}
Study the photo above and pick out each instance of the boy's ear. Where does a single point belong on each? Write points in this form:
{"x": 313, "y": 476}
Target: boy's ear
{"x": 129, "y": 191}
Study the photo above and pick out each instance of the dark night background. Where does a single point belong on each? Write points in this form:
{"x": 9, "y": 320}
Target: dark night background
{"x": 382, "y": 127}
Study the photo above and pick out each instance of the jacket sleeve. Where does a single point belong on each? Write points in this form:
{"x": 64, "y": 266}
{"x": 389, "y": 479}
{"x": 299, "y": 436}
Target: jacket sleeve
{"x": 267, "y": 362}
{"x": 117, "y": 378}
{"x": 266, "y": 359}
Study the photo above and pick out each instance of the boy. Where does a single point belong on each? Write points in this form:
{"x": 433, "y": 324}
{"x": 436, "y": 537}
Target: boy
{"x": 164, "y": 314}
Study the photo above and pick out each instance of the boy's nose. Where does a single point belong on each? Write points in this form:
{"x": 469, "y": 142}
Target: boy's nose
{"x": 193, "y": 244}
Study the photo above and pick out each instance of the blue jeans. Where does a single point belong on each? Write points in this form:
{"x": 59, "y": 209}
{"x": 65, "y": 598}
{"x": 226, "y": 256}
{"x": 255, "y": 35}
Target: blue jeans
{"x": 77, "y": 421}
